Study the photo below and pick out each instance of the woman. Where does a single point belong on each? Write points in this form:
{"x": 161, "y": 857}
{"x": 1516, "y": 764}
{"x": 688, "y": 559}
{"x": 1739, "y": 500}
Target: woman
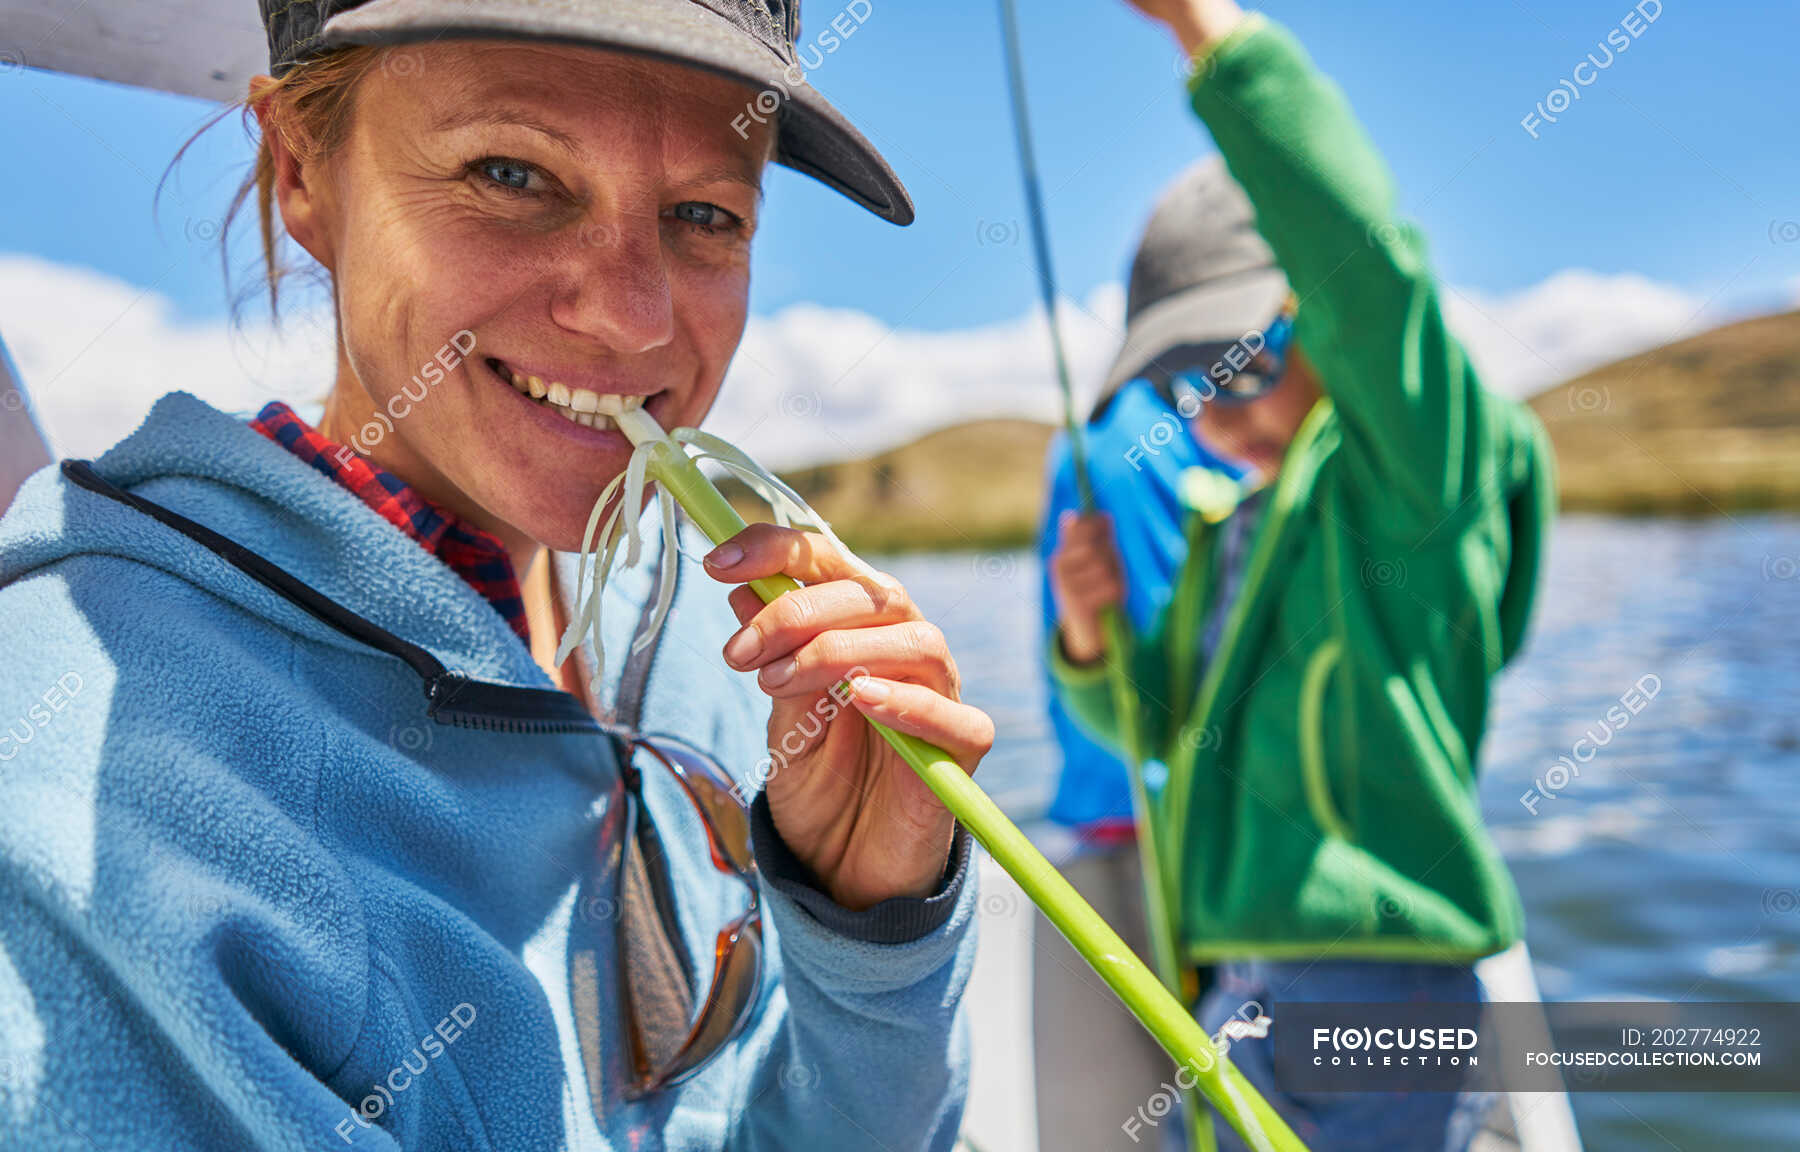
{"x": 300, "y": 846}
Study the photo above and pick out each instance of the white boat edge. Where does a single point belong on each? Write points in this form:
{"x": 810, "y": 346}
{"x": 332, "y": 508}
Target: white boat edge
{"x": 1001, "y": 1115}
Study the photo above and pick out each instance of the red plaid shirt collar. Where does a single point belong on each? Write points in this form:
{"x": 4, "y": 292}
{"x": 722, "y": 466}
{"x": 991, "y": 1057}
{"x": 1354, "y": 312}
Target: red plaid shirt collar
{"x": 475, "y": 555}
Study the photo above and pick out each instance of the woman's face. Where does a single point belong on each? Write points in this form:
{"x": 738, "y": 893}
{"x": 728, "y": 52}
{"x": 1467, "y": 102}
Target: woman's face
{"x": 567, "y": 213}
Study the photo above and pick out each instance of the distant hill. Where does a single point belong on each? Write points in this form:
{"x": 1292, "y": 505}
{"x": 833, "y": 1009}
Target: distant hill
{"x": 1707, "y": 425}
{"x": 969, "y": 486}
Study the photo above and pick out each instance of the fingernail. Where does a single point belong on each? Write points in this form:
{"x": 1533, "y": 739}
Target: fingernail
{"x": 775, "y": 675}
{"x": 743, "y": 648}
{"x": 872, "y": 690}
{"x": 725, "y": 555}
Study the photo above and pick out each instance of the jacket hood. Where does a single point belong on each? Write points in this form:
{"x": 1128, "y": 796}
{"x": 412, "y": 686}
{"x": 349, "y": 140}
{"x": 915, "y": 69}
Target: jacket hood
{"x": 215, "y": 469}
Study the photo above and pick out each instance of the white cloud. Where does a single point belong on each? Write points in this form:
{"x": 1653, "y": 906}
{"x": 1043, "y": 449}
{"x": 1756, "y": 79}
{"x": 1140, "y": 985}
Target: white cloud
{"x": 95, "y": 352}
{"x": 809, "y": 383}
{"x": 1561, "y": 327}
{"x": 814, "y": 383}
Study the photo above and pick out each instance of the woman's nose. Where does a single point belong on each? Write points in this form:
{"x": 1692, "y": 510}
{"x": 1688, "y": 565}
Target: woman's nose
{"x": 615, "y": 289}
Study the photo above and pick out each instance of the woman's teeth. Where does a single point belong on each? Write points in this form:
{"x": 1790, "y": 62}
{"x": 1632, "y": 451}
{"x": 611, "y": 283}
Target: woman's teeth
{"x": 591, "y": 409}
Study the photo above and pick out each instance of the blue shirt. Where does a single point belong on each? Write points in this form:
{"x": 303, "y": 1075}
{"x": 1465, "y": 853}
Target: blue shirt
{"x": 1136, "y": 453}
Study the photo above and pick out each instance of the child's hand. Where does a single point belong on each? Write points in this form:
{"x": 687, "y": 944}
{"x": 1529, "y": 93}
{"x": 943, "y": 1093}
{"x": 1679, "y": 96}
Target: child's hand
{"x": 1195, "y": 23}
{"x": 1085, "y": 578}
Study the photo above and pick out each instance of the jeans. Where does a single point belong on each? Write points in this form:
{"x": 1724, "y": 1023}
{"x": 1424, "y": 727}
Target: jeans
{"x": 1345, "y": 1122}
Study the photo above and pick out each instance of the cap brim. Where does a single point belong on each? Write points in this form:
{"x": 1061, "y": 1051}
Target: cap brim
{"x": 1215, "y": 313}
{"x": 815, "y": 138}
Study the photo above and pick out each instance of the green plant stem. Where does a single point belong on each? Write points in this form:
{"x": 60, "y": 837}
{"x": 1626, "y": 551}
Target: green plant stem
{"x": 1161, "y": 1013}
{"x": 1156, "y": 879}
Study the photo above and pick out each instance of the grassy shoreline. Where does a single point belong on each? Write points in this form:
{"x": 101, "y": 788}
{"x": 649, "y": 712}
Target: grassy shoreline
{"x": 1704, "y": 427}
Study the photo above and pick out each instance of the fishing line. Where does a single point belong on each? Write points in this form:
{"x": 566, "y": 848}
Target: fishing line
{"x": 1197, "y": 1120}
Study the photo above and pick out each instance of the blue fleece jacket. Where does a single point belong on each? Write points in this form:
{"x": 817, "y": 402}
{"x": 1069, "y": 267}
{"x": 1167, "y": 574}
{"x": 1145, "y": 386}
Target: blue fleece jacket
{"x": 253, "y": 897}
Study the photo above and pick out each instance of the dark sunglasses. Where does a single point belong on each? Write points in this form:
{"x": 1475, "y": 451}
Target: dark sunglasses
{"x": 1232, "y": 373}
{"x": 663, "y": 1051}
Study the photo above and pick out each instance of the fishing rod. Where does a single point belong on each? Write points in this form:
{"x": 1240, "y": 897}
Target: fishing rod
{"x": 1158, "y": 877}
{"x": 1113, "y": 621}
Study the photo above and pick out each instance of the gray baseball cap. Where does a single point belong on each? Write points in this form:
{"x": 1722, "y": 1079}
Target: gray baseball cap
{"x": 748, "y": 40}
{"x": 1203, "y": 276}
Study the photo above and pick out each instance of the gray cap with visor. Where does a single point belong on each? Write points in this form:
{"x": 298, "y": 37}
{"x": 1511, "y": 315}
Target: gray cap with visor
{"x": 748, "y": 40}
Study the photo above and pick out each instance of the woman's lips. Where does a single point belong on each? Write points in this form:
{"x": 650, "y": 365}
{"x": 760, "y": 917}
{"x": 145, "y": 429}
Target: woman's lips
{"x": 577, "y": 405}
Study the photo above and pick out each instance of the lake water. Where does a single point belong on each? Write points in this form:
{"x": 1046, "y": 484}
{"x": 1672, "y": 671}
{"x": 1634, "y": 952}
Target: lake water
{"x": 1668, "y": 869}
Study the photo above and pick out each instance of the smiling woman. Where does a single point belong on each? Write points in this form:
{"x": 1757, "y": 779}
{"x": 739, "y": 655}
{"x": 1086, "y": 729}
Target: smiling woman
{"x": 587, "y": 215}
{"x": 324, "y": 794}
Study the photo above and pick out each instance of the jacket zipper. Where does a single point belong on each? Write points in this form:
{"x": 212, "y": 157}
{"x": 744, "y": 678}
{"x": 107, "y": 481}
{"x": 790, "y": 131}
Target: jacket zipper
{"x": 1314, "y": 683}
{"x": 452, "y": 697}
{"x": 1280, "y": 511}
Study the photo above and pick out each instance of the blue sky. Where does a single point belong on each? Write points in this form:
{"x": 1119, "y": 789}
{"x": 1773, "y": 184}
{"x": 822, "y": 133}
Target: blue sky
{"x": 1675, "y": 164}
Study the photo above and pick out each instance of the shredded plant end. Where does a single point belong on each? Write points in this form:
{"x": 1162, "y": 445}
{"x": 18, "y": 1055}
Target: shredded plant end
{"x": 625, "y": 495}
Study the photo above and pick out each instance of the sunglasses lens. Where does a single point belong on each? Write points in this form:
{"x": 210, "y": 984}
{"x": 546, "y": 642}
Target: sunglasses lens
{"x": 1192, "y": 389}
{"x": 736, "y": 982}
{"x": 722, "y": 810}
{"x": 1246, "y": 385}
{"x": 662, "y": 1057}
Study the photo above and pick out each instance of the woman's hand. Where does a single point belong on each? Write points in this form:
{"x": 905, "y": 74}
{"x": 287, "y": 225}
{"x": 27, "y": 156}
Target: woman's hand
{"x": 843, "y": 800}
{"x": 1195, "y": 23}
{"x": 1086, "y": 578}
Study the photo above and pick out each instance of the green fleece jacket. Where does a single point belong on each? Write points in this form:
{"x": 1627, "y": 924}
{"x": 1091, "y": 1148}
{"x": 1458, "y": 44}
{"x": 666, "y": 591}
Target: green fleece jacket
{"x": 1320, "y": 794}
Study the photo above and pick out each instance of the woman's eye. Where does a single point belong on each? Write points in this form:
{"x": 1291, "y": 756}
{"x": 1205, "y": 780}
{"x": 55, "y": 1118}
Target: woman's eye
{"x": 510, "y": 174}
{"x": 704, "y": 216}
